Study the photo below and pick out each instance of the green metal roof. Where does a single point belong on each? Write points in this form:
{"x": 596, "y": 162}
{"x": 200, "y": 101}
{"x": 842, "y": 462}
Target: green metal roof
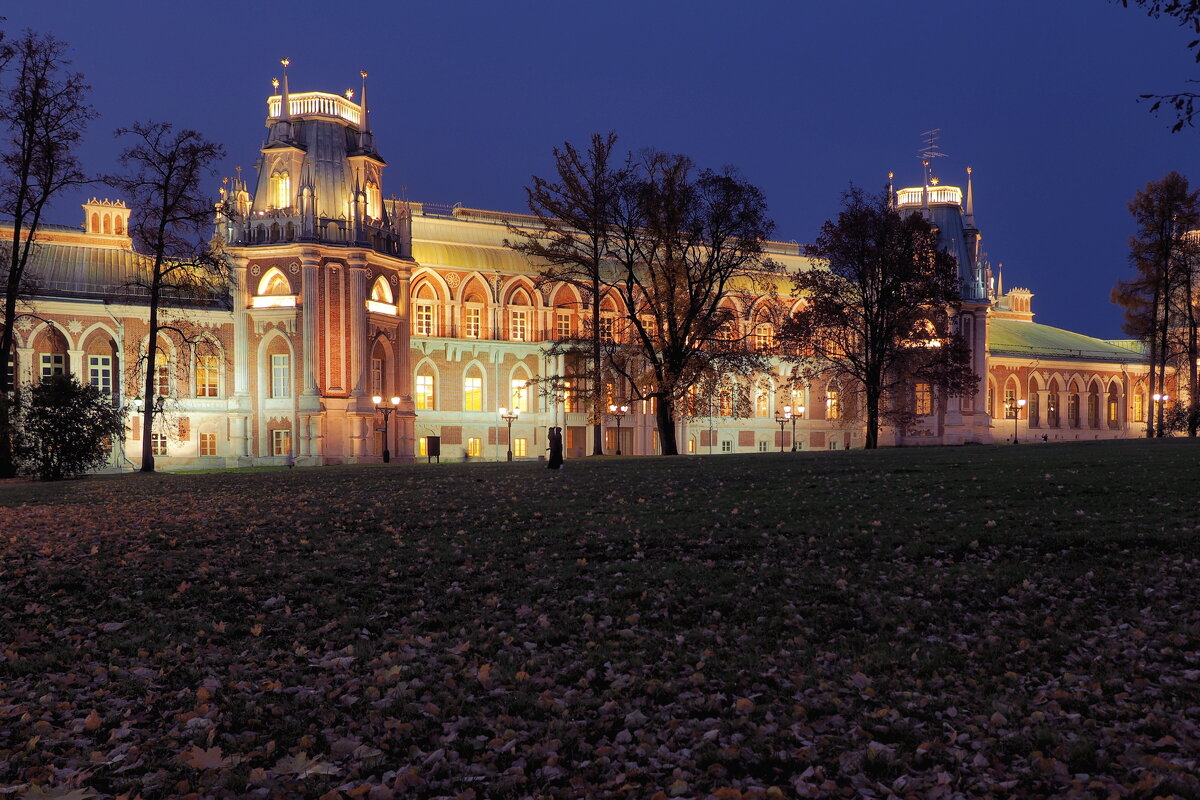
{"x": 1014, "y": 337}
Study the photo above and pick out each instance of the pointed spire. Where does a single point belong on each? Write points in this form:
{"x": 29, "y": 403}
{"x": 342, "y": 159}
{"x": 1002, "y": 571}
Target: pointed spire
{"x": 1000, "y": 280}
{"x": 891, "y": 190}
{"x": 285, "y": 106}
{"x": 364, "y": 122}
{"x": 970, "y": 209}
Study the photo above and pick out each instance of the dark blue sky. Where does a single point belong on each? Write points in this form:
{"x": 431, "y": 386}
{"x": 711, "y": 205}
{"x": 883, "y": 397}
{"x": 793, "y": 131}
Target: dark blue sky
{"x": 468, "y": 98}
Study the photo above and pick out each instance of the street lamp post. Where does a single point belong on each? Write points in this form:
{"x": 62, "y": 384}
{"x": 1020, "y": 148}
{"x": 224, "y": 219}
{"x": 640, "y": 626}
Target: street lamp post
{"x": 510, "y": 417}
{"x": 1160, "y": 401}
{"x": 799, "y": 413}
{"x": 619, "y": 412}
{"x": 387, "y": 412}
{"x": 1014, "y": 407}
{"x": 782, "y": 419}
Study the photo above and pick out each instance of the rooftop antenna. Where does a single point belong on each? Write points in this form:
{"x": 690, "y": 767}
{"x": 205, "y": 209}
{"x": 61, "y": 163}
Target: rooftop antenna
{"x": 929, "y": 151}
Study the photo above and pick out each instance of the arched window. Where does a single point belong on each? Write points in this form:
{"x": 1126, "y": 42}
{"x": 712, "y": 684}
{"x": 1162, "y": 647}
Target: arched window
{"x": 833, "y": 401}
{"x": 424, "y": 308}
{"x": 520, "y": 394}
{"x": 518, "y": 316}
{"x": 374, "y": 201}
{"x": 1093, "y": 406}
{"x": 1052, "y": 418}
{"x": 725, "y": 398}
{"x": 162, "y": 373}
{"x": 95, "y": 222}
{"x": 107, "y": 223}
{"x": 425, "y": 388}
{"x": 762, "y": 404}
{"x": 1073, "y": 418}
{"x": 119, "y": 225}
{"x": 281, "y": 189}
{"x": 1113, "y": 414}
{"x": 381, "y": 292}
{"x": 473, "y": 390}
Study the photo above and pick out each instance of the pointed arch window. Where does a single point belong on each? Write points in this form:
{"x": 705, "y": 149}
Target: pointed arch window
{"x": 281, "y": 189}
{"x": 381, "y": 301}
{"x": 274, "y": 291}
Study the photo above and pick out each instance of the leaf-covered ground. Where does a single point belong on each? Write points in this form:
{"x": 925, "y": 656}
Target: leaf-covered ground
{"x": 966, "y": 622}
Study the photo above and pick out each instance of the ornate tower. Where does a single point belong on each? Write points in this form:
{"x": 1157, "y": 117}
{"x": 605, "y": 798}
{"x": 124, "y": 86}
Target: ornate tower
{"x": 322, "y": 263}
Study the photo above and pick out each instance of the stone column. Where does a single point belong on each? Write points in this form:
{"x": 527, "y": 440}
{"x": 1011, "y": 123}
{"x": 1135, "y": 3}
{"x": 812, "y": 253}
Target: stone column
{"x": 309, "y": 311}
{"x": 241, "y": 328}
{"x": 360, "y": 358}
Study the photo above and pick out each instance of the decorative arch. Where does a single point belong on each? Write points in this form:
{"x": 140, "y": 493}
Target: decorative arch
{"x": 276, "y": 375}
{"x": 274, "y": 283}
{"x": 383, "y": 375}
{"x": 1094, "y": 390}
{"x": 1112, "y": 412}
{"x": 381, "y": 291}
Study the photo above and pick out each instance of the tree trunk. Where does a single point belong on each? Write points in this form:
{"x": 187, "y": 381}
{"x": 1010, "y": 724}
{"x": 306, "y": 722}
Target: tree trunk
{"x": 148, "y": 405}
{"x": 665, "y": 416}
{"x": 872, "y": 435}
{"x": 597, "y": 377}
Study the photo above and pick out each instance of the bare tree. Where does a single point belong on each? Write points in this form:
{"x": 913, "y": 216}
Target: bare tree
{"x": 1158, "y": 300}
{"x": 44, "y": 111}
{"x": 684, "y": 240}
{"x": 575, "y": 215}
{"x": 882, "y": 314}
{"x": 171, "y": 213}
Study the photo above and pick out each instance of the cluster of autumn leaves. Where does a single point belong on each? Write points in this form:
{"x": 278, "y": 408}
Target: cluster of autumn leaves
{"x": 827, "y": 625}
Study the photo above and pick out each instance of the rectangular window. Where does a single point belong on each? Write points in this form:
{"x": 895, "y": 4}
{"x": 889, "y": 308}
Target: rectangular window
{"x": 208, "y": 444}
{"x": 473, "y": 394}
{"x": 762, "y": 405}
{"x": 281, "y": 442}
{"x": 424, "y": 393}
{"x": 281, "y": 375}
{"x": 518, "y": 329}
{"x": 563, "y": 325}
{"x": 762, "y": 447}
{"x": 12, "y": 373}
{"x": 727, "y": 446}
{"x": 606, "y": 328}
{"x": 1139, "y": 405}
{"x": 474, "y": 446}
{"x": 158, "y": 444}
{"x": 519, "y": 448}
{"x": 520, "y": 395}
{"x": 423, "y": 322}
{"x": 206, "y": 376}
{"x": 53, "y": 364}
{"x": 692, "y": 446}
{"x": 570, "y": 401}
{"x": 833, "y": 407}
{"x": 764, "y": 337}
{"x": 376, "y": 376}
{"x": 924, "y": 399}
{"x": 725, "y": 403}
{"x": 423, "y": 447}
{"x": 100, "y": 373}
{"x": 472, "y": 322}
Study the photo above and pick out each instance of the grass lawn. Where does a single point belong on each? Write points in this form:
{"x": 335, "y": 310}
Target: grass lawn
{"x": 975, "y": 621}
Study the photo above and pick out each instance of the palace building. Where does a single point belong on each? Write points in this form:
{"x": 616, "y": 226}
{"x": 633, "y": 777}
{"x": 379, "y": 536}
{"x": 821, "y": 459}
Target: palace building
{"x": 344, "y": 293}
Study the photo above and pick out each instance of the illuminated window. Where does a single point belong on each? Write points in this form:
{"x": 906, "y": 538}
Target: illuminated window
{"x": 423, "y": 320}
{"x": 562, "y": 322}
{"x": 374, "y": 201}
{"x": 924, "y": 399}
{"x": 1139, "y": 406}
{"x": 474, "y": 446}
{"x": 274, "y": 283}
{"x": 473, "y": 393}
{"x": 281, "y": 442}
{"x": 691, "y": 446}
{"x": 162, "y": 374}
{"x": 570, "y": 399}
{"x": 1073, "y": 410}
{"x": 833, "y": 403}
{"x": 100, "y": 373}
{"x": 764, "y": 336}
{"x": 762, "y": 405}
{"x": 472, "y": 322}
{"x": 991, "y": 401}
{"x": 518, "y": 329}
{"x": 520, "y": 395}
{"x": 53, "y": 364}
{"x": 12, "y": 373}
{"x": 158, "y": 444}
{"x": 1112, "y": 407}
{"x": 424, "y": 396}
{"x": 281, "y": 375}
{"x": 519, "y": 448}
{"x": 281, "y": 189}
{"x": 208, "y": 444}
{"x": 423, "y": 446}
{"x": 1052, "y": 405}
{"x": 207, "y": 373}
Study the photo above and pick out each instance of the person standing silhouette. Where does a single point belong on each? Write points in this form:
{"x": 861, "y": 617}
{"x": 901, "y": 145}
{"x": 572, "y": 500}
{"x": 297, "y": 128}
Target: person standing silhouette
{"x": 556, "y": 448}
